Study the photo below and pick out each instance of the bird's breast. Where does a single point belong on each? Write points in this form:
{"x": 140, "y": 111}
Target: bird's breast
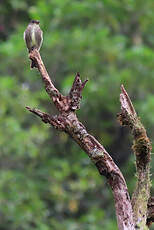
{"x": 33, "y": 37}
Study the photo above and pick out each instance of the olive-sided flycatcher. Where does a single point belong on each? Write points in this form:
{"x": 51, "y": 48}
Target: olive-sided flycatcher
{"x": 33, "y": 37}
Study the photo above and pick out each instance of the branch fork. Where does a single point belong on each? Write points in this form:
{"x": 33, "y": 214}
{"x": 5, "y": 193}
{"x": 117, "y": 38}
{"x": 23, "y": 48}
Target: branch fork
{"x": 130, "y": 214}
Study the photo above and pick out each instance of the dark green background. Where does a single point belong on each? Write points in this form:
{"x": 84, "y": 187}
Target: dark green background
{"x": 46, "y": 181}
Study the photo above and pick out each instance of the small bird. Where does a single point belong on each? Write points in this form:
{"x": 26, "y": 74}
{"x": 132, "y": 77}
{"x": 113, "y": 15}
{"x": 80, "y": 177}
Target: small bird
{"x": 33, "y": 37}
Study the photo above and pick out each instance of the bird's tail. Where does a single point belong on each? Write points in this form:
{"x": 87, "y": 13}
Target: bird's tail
{"x": 33, "y": 64}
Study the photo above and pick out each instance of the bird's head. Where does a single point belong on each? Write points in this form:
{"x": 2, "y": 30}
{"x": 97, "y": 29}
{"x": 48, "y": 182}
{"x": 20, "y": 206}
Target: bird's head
{"x": 35, "y": 22}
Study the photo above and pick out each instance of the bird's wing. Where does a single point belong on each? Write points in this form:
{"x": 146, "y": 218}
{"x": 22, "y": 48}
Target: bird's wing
{"x": 28, "y": 38}
{"x": 39, "y": 37}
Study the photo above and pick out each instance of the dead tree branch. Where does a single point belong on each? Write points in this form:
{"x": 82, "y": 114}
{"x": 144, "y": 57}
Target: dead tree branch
{"x": 67, "y": 121}
{"x": 142, "y": 150}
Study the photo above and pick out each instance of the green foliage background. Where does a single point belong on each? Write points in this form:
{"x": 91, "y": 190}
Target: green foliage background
{"x": 46, "y": 181}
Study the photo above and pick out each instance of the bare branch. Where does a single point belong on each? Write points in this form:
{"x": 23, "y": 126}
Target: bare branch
{"x": 55, "y": 121}
{"x": 126, "y": 103}
{"x": 75, "y": 92}
{"x": 142, "y": 150}
{"x": 70, "y": 123}
{"x": 60, "y": 101}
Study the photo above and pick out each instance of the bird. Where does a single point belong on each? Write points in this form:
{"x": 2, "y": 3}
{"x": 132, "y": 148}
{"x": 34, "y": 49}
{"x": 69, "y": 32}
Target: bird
{"x": 33, "y": 37}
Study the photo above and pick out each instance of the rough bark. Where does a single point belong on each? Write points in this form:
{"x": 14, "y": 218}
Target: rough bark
{"x": 150, "y": 213}
{"x": 142, "y": 150}
{"x": 68, "y": 122}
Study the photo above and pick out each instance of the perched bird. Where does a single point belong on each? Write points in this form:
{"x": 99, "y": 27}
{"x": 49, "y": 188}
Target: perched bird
{"x": 33, "y": 37}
